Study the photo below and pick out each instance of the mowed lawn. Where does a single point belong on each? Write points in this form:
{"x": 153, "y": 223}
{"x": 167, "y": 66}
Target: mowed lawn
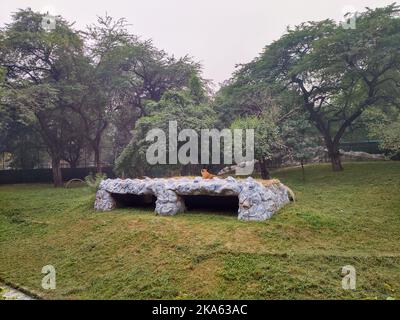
{"x": 346, "y": 218}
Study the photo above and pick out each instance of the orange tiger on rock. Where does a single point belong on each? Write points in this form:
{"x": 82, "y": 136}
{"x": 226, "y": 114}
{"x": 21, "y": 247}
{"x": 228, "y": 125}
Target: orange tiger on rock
{"x": 206, "y": 175}
{"x": 270, "y": 182}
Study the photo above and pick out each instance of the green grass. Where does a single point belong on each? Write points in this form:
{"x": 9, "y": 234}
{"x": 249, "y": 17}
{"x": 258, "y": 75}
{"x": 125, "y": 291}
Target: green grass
{"x": 351, "y": 217}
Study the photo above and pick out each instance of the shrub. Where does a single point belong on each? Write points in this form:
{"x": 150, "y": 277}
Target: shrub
{"x": 93, "y": 181}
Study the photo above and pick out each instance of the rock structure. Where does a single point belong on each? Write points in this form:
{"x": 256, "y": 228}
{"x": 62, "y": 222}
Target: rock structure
{"x": 256, "y": 202}
{"x": 361, "y": 156}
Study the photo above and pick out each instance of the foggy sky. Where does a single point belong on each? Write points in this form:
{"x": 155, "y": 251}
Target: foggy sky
{"x": 217, "y": 33}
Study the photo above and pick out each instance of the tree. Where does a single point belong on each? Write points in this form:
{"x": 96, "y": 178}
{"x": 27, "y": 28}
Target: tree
{"x": 123, "y": 74}
{"x": 254, "y": 106}
{"x": 147, "y": 73}
{"x": 100, "y": 78}
{"x": 77, "y": 86}
{"x": 389, "y": 135}
{"x": 384, "y": 125}
{"x": 188, "y": 107}
{"x": 18, "y": 136}
{"x": 40, "y": 64}
{"x": 301, "y": 140}
{"x": 335, "y": 74}
{"x": 243, "y": 99}
{"x": 267, "y": 140}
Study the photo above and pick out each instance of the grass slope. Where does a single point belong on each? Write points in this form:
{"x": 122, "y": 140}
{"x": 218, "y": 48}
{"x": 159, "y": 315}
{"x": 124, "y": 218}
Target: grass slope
{"x": 351, "y": 217}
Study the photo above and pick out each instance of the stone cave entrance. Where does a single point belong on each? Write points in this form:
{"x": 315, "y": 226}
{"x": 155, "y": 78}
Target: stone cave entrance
{"x": 227, "y": 205}
{"x": 134, "y": 200}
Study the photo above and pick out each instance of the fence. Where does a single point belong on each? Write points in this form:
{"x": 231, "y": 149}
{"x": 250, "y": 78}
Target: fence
{"x": 37, "y": 158}
{"x": 46, "y": 176}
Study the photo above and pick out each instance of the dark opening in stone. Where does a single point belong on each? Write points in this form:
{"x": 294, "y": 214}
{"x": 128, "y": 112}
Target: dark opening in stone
{"x": 133, "y": 200}
{"x": 207, "y": 203}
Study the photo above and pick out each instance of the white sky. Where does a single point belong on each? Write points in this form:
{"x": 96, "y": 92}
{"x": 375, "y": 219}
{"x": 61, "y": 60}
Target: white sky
{"x": 218, "y": 33}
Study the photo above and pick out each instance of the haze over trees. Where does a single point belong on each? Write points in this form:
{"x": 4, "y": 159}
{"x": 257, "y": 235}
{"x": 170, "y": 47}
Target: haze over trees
{"x": 334, "y": 74}
{"x": 72, "y": 86}
{"x": 73, "y": 89}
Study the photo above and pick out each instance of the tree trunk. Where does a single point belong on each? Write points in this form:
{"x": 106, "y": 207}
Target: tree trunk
{"x": 97, "y": 159}
{"x": 334, "y": 155}
{"x": 57, "y": 176}
{"x": 72, "y": 164}
{"x": 264, "y": 170}
{"x": 302, "y": 170}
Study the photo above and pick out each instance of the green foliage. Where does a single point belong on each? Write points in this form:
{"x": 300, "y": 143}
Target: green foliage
{"x": 76, "y": 87}
{"x": 266, "y": 135}
{"x": 41, "y": 82}
{"x": 244, "y": 99}
{"x": 333, "y": 74}
{"x": 383, "y": 124}
{"x": 389, "y": 135}
{"x": 300, "y": 137}
{"x": 93, "y": 180}
{"x": 196, "y": 87}
{"x": 180, "y": 106}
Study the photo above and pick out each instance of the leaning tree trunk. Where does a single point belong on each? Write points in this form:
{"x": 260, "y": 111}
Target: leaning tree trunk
{"x": 334, "y": 155}
{"x": 97, "y": 159}
{"x": 264, "y": 170}
{"x": 73, "y": 163}
{"x": 56, "y": 168}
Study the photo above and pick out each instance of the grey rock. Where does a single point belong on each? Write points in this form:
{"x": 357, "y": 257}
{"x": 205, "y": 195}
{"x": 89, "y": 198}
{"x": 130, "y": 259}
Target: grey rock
{"x": 104, "y": 201}
{"x": 360, "y": 155}
{"x": 256, "y": 202}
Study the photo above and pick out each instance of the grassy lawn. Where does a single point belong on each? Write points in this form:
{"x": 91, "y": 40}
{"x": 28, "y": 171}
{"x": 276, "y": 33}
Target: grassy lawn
{"x": 351, "y": 217}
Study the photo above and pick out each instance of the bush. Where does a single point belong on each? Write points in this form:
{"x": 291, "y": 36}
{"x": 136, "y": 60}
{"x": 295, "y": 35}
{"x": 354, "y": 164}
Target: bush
{"x": 93, "y": 181}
